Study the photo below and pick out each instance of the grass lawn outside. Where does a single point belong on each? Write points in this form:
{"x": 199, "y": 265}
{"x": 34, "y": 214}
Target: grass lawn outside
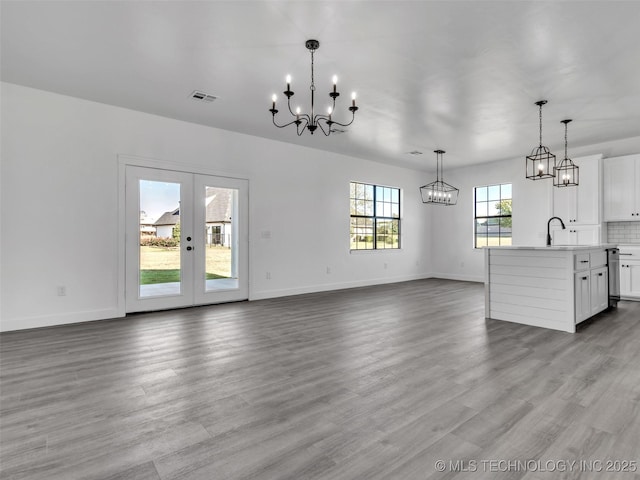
{"x": 150, "y": 277}
{"x": 162, "y": 265}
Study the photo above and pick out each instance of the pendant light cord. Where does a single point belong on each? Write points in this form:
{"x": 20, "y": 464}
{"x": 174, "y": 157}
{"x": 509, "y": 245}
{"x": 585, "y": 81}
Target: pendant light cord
{"x": 312, "y": 87}
{"x": 540, "y": 115}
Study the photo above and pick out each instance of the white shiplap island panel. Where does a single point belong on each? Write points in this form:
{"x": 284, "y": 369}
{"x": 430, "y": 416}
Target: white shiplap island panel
{"x": 537, "y": 285}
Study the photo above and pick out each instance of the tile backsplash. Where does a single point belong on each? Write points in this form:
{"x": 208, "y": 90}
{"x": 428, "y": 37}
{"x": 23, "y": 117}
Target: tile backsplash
{"x": 623, "y": 232}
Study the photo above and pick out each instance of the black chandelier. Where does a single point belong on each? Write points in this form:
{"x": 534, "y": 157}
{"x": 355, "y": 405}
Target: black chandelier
{"x": 312, "y": 121}
{"x": 439, "y": 192}
{"x": 566, "y": 173}
{"x": 541, "y": 163}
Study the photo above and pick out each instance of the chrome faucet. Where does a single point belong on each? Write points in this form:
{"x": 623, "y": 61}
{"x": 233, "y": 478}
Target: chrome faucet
{"x": 548, "y": 225}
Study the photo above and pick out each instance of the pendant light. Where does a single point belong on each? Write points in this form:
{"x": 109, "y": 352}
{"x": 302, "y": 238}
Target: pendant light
{"x": 567, "y": 173}
{"x": 541, "y": 163}
{"x": 439, "y": 192}
{"x": 312, "y": 120}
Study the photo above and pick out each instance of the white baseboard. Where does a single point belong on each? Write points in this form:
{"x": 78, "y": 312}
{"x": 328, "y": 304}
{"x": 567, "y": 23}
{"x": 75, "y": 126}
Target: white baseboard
{"x": 11, "y": 324}
{"x": 462, "y": 278}
{"x": 285, "y": 292}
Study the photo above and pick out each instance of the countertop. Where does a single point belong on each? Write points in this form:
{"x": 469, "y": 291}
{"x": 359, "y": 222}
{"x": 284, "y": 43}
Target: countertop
{"x": 556, "y": 247}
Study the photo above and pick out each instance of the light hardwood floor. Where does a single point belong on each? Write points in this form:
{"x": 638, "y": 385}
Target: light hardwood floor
{"x": 369, "y": 383}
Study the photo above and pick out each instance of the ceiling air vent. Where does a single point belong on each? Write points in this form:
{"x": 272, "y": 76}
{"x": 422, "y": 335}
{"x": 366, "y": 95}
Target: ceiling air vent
{"x": 202, "y": 97}
{"x": 338, "y": 131}
{"x": 415, "y": 152}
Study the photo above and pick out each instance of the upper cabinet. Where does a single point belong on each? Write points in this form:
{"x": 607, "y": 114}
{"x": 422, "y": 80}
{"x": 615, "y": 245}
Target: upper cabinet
{"x": 580, "y": 205}
{"x": 622, "y": 188}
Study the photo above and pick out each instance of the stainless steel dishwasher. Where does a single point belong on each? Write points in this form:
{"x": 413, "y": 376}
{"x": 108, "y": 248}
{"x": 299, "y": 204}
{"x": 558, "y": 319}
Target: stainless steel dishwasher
{"x": 613, "y": 270}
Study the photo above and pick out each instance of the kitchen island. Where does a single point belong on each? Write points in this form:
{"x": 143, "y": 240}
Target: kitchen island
{"x": 553, "y": 287}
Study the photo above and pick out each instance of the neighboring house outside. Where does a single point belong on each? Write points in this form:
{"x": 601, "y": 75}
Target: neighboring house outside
{"x": 218, "y": 228}
{"x": 147, "y": 228}
{"x": 219, "y": 214}
{"x": 164, "y": 225}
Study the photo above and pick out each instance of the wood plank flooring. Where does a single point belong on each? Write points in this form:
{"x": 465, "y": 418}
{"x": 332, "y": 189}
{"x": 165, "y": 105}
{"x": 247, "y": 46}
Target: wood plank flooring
{"x": 370, "y": 383}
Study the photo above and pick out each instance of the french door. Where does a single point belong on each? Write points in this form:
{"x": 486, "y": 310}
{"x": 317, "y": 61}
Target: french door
{"x": 186, "y": 239}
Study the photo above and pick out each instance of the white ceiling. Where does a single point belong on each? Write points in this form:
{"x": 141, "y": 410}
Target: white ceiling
{"x": 460, "y": 76}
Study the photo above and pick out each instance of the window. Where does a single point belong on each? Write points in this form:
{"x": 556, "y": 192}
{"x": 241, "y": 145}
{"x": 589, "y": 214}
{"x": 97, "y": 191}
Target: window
{"x": 375, "y": 217}
{"x": 492, "y": 215}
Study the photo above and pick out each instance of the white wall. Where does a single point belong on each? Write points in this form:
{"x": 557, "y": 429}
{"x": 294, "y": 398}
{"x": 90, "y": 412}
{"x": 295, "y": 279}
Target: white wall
{"x": 59, "y": 173}
{"x": 452, "y": 231}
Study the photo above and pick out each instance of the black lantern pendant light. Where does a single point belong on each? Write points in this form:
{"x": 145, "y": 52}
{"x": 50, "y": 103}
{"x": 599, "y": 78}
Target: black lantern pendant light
{"x": 567, "y": 173}
{"x": 439, "y": 192}
{"x": 312, "y": 120}
{"x": 541, "y": 163}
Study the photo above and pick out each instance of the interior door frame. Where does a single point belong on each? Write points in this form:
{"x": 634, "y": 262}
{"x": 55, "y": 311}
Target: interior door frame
{"x": 125, "y": 160}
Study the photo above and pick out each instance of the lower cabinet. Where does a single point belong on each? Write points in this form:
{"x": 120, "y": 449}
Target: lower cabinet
{"x": 630, "y": 279}
{"x": 582, "y": 293}
{"x": 591, "y": 288}
{"x": 599, "y": 290}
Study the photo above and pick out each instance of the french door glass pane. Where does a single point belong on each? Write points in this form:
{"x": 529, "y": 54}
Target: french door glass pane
{"x": 159, "y": 270}
{"x": 220, "y": 230}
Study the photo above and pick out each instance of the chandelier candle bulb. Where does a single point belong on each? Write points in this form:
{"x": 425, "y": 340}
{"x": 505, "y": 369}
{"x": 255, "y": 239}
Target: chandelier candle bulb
{"x": 353, "y": 99}
{"x": 273, "y": 100}
{"x": 335, "y": 83}
{"x": 288, "y": 83}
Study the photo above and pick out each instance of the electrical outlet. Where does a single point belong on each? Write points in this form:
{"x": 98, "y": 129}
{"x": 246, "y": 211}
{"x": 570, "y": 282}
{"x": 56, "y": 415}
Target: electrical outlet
{"x": 328, "y": 270}
{"x": 62, "y": 291}
{"x": 385, "y": 265}
{"x": 268, "y": 275}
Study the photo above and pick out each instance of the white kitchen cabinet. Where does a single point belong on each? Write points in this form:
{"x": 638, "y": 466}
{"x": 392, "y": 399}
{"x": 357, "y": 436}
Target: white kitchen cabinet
{"x": 582, "y": 292}
{"x": 580, "y": 205}
{"x": 622, "y": 188}
{"x": 630, "y": 272}
{"x": 576, "y": 235}
{"x": 599, "y": 290}
{"x": 630, "y": 279}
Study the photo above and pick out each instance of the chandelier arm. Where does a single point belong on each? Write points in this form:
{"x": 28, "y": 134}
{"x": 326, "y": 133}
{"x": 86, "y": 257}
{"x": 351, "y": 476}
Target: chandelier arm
{"x": 345, "y": 124}
{"x": 326, "y": 132}
{"x": 285, "y": 125}
{"x": 289, "y": 105}
{"x": 304, "y": 123}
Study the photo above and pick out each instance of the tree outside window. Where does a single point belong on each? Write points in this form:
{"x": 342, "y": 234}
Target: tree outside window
{"x": 493, "y": 215}
{"x": 375, "y": 217}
